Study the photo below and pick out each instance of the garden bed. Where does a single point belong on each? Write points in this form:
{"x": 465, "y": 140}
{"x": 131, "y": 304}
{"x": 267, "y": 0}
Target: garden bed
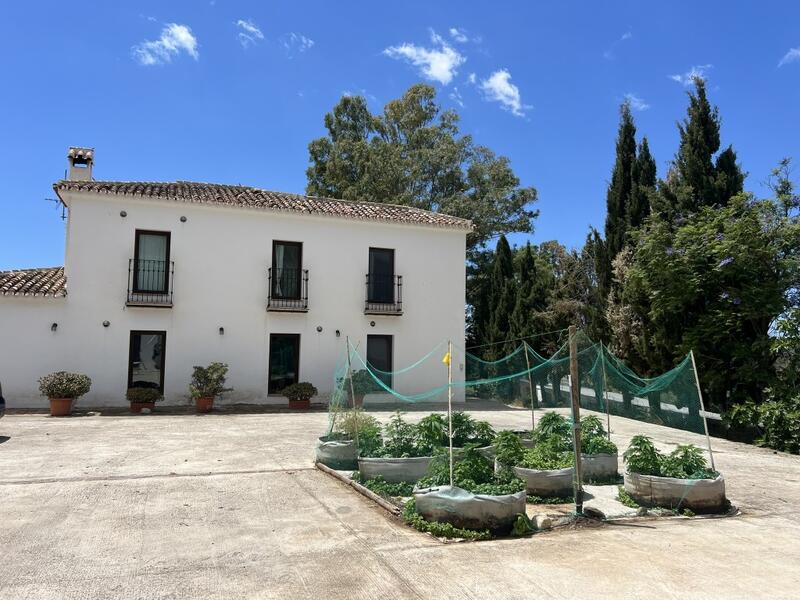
{"x": 336, "y": 453}
{"x": 395, "y": 470}
{"x": 697, "y": 495}
{"x": 465, "y": 510}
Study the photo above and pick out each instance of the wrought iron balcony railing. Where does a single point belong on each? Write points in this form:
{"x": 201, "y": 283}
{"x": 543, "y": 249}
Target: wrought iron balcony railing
{"x": 150, "y": 282}
{"x": 288, "y": 289}
{"x": 384, "y": 295}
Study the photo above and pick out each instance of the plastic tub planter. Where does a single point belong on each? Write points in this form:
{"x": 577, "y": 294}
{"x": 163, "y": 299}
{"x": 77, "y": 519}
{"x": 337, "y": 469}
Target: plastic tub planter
{"x": 599, "y": 467}
{"x": 460, "y": 508}
{"x": 698, "y": 495}
{"x": 337, "y": 454}
{"x": 395, "y": 470}
{"x": 547, "y": 483}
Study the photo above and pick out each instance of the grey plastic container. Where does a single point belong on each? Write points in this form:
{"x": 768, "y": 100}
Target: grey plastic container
{"x": 546, "y": 483}
{"x": 337, "y": 454}
{"x": 698, "y": 495}
{"x": 450, "y": 504}
{"x": 395, "y": 470}
{"x": 599, "y": 466}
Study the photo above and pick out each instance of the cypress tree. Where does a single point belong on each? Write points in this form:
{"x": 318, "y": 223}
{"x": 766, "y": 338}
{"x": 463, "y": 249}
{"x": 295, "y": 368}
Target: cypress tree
{"x": 502, "y": 296}
{"x": 525, "y": 304}
{"x": 698, "y": 181}
{"x": 619, "y": 190}
{"x": 644, "y": 184}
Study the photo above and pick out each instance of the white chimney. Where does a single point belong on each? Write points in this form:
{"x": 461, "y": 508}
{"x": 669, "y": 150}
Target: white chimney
{"x": 81, "y": 161}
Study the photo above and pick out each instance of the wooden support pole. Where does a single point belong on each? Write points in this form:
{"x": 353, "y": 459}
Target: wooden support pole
{"x": 703, "y": 410}
{"x": 450, "y": 402}
{"x": 352, "y": 394}
{"x": 605, "y": 390}
{"x": 530, "y": 386}
{"x": 575, "y": 390}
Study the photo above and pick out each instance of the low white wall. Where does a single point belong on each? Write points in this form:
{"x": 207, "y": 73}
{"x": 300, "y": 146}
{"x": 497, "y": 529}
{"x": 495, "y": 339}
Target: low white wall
{"x": 221, "y": 258}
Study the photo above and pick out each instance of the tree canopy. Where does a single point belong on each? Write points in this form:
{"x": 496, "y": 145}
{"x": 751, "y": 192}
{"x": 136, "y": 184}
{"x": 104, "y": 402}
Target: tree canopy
{"x": 413, "y": 154}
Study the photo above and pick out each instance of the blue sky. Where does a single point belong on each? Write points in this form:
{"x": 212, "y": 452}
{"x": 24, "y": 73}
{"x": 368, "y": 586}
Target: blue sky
{"x": 232, "y": 92}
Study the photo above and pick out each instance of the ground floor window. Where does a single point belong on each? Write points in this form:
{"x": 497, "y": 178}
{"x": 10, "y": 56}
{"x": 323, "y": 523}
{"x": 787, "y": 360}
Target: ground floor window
{"x": 379, "y": 356}
{"x": 146, "y": 359}
{"x": 284, "y": 361}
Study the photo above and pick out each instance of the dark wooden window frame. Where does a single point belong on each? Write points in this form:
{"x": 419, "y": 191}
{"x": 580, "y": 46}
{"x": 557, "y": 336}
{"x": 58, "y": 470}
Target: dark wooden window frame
{"x": 369, "y": 271}
{"x": 135, "y": 286}
{"x": 391, "y": 354}
{"x": 299, "y": 270}
{"x": 163, "y": 335}
{"x": 296, "y": 360}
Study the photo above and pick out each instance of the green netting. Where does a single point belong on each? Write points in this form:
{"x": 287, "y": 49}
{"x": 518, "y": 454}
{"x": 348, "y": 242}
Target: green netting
{"x": 523, "y": 377}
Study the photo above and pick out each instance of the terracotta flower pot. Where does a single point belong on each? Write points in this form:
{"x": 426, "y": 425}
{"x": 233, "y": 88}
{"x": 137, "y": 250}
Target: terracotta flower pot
{"x": 204, "y": 405}
{"x": 300, "y": 404}
{"x": 136, "y": 407}
{"x": 61, "y": 407}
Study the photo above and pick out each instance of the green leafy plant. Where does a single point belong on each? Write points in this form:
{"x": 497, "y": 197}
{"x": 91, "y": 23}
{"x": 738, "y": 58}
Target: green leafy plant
{"x": 467, "y": 430}
{"x": 432, "y": 432}
{"x": 592, "y": 426}
{"x": 384, "y": 488}
{"x": 368, "y": 427}
{"x": 550, "y": 499}
{"x": 209, "y": 382}
{"x": 625, "y": 498}
{"x": 63, "y": 384}
{"x": 685, "y": 462}
{"x": 472, "y": 472}
{"x": 553, "y": 424}
{"x": 778, "y": 420}
{"x": 642, "y": 456}
{"x": 299, "y": 391}
{"x": 143, "y": 395}
{"x": 363, "y": 383}
{"x": 400, "y": 437}
{"x": 598, "y": 445}
{"x": 550, "y": 452}
{"x": 522, "y": 526}
{"x": 508, "y": 449}
{"x": 443, "y": 530}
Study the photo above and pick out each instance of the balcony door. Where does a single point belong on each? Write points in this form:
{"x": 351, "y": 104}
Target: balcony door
{"x": 284, "y": 361}
{"x": 151, "y": 262}
{"x": 146, "y": 359}
{"x": 287, "y": 269}
{"x": 379, "y": 356}
{"x": 381, "y": 276}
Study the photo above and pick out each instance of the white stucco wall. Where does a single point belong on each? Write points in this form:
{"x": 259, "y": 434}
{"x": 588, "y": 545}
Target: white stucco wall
{"x": 221, "y": 258}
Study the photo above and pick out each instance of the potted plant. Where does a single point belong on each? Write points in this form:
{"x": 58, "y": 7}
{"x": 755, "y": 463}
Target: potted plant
{"x": 404, "y": 456}
{"x": 62, "y": 389}
{"x": 337, "y": 449}
{"x": 299, "y": 395}
{"x": 208, "y": 383}
{"x": 679, "y": 480}
{"x": 142, "y": 397}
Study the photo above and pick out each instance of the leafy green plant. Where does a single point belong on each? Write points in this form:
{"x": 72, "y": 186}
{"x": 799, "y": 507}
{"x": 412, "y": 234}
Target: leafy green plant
{"x": 209, "y": 382}
{"x": 472, "y": 472}
{"x": 777, "y": 420}
{"x": 598, "y": 445}
{"x": 432, "y": 432}
{"x": 592, "y": 426}
{"x": 400, "y": 438}
{"x": 642, "y": 456}
{"x": 685, "y": 462}
{"x": 522, "y": 526}
{"x": 551, "y": 423}
{"x": 368, "y": 427}
{"x": 550, "y": 499}
{"x": 363, "y": 383}
{"x": 384, "y": 488}
{"x": 443, "y": 530}
{"x": 299, "y": 391}
{"x": 625, "y": 498}
{"x": 550, "y": 452}
{"x": 508, "y": 449}
{"x": 143, "y": 395}
{"x": 467, "y": 430}
{"x": 63, "y": 384}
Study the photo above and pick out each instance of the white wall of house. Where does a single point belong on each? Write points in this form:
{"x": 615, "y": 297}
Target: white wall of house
{"x": 221, "y": 256}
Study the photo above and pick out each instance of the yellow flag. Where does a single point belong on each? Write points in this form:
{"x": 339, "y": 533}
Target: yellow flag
{"x": 446, "y": 359}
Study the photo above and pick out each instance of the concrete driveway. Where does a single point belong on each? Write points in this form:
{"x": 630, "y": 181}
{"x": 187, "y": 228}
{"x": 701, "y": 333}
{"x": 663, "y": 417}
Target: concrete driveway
{"x": 230, "y": 506}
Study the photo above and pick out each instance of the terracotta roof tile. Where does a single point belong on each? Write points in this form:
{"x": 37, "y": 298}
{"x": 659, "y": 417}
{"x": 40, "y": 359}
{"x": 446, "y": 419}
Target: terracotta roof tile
{"x": 249, "y": 197}
{"x": 49, "y": 281}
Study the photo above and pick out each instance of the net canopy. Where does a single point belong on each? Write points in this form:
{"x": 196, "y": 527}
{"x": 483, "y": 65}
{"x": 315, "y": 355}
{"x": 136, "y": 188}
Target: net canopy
{"x": 523, "y": 377}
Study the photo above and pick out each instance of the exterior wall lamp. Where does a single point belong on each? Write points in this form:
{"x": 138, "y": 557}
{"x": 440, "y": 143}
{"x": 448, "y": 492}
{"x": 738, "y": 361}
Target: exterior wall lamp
{"x": 222, "y": 331}
{"x": 53, "y": 327}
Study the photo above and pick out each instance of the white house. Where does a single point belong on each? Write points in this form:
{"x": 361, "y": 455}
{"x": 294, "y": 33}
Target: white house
{"x": 159, "y": 277}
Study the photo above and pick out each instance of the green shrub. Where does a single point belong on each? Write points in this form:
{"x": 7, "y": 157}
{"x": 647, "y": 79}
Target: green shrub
{"x": 363, "y": 383}
{"x": 299, "y": 391}
{"x": 383, "y": 488}
{"x": 63, "y": 384}
{"x": 552, "y": 423}
{"x": 400, "y": 438}
{"x": 143, "y": 395}
{"x": 467, "y": 430}
{"x": 432, "y": 432}
{"x": 777, "y": 420}
{"x": 472, "y": 472}
{"x": 592, "y": 426}
{"x": 550, "y": 452}
{"x": 445, "y": 530}
{"x": 209, "y": 382}
{"x": 685, "y": 462}
{"x": 642, "y": 456}
{"x": 508, "y": 449}
{"x": 598, "y": 445}
{"x": 368, "y": 427}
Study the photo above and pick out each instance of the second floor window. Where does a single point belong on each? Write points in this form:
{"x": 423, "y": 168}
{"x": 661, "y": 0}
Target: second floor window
{"x": 287, "y": 269}
{"x": 380, "y": 287}
{"x": 151, "y": 261}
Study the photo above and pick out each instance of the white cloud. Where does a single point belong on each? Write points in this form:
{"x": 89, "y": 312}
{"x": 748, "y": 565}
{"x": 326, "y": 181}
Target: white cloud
{"x": 455, "y": 96}
{"x": 459, "y": 35}
{"x": 472, "y": 78}
{"x": 498, "y": 88}
{"x": 174, "y": 40}
{"x": 635, "y": 102}
{"x": 609, "y": 54}
{"x": 791, "y": 56}
{"x": 250, "y": 33}
{"x": 626, "y": 36}
{"x": 295, "y": 43}
{"x": 439, "y": 63}
{"x": 696, "y": 72}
